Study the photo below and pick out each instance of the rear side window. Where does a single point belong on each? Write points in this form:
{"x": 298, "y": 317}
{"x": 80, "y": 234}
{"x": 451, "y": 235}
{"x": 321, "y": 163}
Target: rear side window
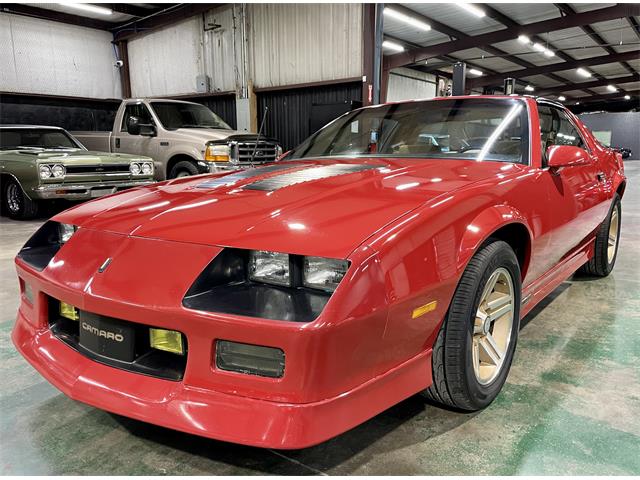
{"x": 138, "y": 110}
{"x": 557, "y": 129}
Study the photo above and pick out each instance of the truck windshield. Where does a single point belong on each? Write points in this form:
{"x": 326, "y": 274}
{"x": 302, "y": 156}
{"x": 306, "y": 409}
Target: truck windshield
{"x": 475, "y": 129}
{"x": 187, "y": 115}
{"x": 12, "y": 138}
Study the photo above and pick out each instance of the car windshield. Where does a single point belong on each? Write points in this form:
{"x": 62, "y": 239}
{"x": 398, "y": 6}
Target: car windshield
{"x": 187, "y": 115}
{"x": 474, "y": 129}
{"x": 12, "y": 138}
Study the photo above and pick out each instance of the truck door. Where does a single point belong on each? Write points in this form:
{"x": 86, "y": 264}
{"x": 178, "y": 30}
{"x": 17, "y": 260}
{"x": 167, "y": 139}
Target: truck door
{"x": 123, "y": 142}
{"x": 577, "y": 199}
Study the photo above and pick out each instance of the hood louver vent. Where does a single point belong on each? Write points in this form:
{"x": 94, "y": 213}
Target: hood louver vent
{"x": 244, "y": 174}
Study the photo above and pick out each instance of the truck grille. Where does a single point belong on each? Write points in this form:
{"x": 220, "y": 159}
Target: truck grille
{"x": 98, "y": 169}
{"x": 266, "y": 152}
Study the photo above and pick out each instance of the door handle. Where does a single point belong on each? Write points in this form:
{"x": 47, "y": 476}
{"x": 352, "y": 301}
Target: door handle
{"x": 117, "y": 143}
{"x": 601, "y": 176}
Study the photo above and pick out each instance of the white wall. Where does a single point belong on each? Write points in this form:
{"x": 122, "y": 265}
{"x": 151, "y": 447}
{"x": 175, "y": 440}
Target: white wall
{"x": 301, "y": 43}
{"x": 52, "y": 58}
{"x": 407, "y": 84}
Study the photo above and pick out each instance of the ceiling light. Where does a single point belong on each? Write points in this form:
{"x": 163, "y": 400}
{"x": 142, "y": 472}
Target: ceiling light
{"x": 549, "y": 53}
{"x": 475, "y": 71}
{"x": 583, "y": 72}
{"x": 611, "y": 88}
{"x": 627, "y": 97}
{"x": 392, "y": 46}
{"x": 529, "y": 88}
{"x": 472, "y": 9}
{"x": 562, "y": 98}
{"x": 539, "y": 47}
{"x": 577, "y": 103}
{"x": 414, "y": 22}
{"x": 524, "y": 39}
{"x": 89, "y": 8}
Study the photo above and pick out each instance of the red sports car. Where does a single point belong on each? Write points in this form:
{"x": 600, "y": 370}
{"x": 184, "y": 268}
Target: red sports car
{"x": 393, "y": 252}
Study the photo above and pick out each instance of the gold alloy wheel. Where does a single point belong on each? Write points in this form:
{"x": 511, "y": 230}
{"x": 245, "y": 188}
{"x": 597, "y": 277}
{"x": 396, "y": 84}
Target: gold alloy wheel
{"x": 492, "y": 326}
{"x": 614, "y": 224}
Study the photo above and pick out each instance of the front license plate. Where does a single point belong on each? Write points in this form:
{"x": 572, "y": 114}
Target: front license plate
{"x": 107, "y": 337}
{"x": 99, "y": 192}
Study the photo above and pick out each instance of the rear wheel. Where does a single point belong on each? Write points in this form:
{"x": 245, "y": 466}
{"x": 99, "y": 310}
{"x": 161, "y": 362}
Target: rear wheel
{"x": 606, "y": 245}
{"x": 183, "y": 169}
{"x": 474, "y": 349}
{"x": 15, "y": 204}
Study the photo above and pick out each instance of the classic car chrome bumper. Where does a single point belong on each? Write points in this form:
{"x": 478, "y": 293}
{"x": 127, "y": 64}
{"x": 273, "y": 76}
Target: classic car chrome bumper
{"x": 82, "y": 191}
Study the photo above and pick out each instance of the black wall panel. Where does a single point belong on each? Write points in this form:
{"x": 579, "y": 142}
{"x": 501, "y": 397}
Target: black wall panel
{"x": 294, "y": 114}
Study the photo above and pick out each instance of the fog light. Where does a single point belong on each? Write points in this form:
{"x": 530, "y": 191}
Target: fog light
{"x": 166, "y": 340}
{"x": 69, "y": 311}
{"x": 250, "y": 359}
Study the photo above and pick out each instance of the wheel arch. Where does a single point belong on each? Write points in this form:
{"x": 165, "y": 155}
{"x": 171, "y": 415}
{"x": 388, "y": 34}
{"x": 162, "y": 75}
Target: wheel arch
{"x": 5, "y": 175}
{"x": 179, "y": 157}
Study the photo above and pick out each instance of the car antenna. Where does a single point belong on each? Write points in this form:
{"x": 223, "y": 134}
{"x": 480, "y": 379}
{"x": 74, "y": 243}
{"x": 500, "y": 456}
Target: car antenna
{"x": 255, "y": 147}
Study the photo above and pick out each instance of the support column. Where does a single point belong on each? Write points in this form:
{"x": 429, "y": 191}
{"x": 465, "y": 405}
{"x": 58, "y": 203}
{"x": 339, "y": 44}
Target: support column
{"x": 125, "y": 78}
{"x": 509, "y": 86}
{"x": 368, "y": 48}
{"x": 459, "y": 79}
{"x": 246, "y": 101}
{"x": 377, "y": 53}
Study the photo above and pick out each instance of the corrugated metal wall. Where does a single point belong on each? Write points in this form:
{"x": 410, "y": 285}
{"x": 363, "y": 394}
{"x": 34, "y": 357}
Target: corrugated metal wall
{"x": 302, "y": 43}
{"x": 52, "y": 58}
{"x": 407, "y": 84}
{"x": 290, "y": 111}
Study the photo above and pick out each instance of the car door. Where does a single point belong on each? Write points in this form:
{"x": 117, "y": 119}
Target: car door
{"x": 576, "y": 194}
{"x": 135, "y": 144}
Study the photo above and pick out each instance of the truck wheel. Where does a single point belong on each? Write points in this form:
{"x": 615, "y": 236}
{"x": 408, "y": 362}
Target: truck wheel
{"x": 183, "y": 169}
{"x": 606, "y": 246}
{"x": 15, "y": 203}
{"x": 473, "y": 351}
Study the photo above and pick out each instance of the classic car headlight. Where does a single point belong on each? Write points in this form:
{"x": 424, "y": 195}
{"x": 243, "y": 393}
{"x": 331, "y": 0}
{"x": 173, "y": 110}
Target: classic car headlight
{"x": 135, "y": 168}
{"x": 269, "y": 267}
{"x": 323, "y": 273}
{"x": 147, "y": 168}
{"x": 217, "y": 153}
{"x": 58, "y": 171}
{"x": 45, "y": 171}
{"x": 45, "y": 243}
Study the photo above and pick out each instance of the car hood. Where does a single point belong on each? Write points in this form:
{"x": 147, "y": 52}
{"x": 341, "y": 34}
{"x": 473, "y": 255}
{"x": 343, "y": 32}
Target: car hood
{"x": 204, "y": 135}
{"x": 80, "y": 157}
{"x": 322, "y": 207}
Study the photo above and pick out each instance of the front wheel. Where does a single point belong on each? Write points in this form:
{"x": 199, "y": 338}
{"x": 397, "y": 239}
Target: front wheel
{"x": 15, "y": 203}
{"x": 474, "y": 349}
{"x": 183, "y": 169}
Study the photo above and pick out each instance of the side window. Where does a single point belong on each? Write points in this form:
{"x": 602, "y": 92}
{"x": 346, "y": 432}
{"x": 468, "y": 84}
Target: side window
{"x": 567, "y": 133}
{"x": 556, "y": 129}
{"x": 135, "y": 110}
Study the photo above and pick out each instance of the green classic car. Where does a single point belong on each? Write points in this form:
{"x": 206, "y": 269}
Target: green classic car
{"x": 44, "y": 163}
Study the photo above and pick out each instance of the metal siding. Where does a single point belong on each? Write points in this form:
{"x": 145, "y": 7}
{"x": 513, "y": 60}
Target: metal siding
{"x": 52, "y": 58}
{"x": 301, "y": 43}
{"x": 406, "y": 84}
{"x": 289, "y": 117}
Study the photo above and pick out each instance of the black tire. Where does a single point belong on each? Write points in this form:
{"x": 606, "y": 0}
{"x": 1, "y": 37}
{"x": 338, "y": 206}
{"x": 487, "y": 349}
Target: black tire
{"x": 599, "y": 265}
{"x": 455, "y": 384}
{"x": 182, "y": 169}
{"x": 15, "y": 204}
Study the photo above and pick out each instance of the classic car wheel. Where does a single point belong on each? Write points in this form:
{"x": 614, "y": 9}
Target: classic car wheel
{"x": 606, "y": 245}
{"x": 183, "y": 169}
{"x": 474, "y": 349}
{"x": 15, "y": 203}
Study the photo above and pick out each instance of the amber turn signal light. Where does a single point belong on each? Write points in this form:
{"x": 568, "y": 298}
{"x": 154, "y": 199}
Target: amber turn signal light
{"x": 166, "y": 340}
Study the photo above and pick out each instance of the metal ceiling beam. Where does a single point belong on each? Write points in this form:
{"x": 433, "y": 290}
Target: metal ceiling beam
{"x": 556, "y": 67}
{"x": 44, "y": 14}
{"x": 585, "y": 85}
{"x": 634, "y": 25}
{"x": 609, "y": 96}
{"x": 560, "y": 23}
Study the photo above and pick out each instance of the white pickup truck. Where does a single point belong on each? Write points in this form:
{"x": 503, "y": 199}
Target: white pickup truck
{"x": 183, "y": 138}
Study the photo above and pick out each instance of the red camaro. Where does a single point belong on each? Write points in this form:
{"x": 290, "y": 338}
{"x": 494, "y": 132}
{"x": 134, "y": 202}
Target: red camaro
{"x": 393, "y": 252}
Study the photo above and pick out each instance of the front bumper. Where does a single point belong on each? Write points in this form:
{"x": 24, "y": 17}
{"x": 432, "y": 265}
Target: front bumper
{"x": 209, "y": 413}
{"x": 83, "y": 191}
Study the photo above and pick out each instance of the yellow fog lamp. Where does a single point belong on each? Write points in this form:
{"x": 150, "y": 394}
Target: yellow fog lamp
{"x": 218, "y": 153}
{"x": 69, "y": 311}
{"x": 166, "y": 340}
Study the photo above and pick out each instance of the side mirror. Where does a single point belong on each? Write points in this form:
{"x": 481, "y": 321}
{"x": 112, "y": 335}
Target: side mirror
{"x": 134, "y": 127}
{"x": 559, "y": 156}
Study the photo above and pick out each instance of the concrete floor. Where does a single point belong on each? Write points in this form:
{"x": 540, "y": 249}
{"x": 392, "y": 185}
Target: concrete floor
{"x": 571, "y": 404}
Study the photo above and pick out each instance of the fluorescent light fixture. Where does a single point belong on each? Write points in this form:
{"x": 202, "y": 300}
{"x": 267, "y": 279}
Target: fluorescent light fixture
{"x": 529, "y": 88}
{"x": 611, "y": 88}
{"x": 577, "y": 103}
{"x": 524, "y": 39}
{"x": 562, "y": 98}
{"x": 414, "y": 22}
{"x": 583, "y": 72}
{"x": 89, "y": 8}
{"x": 627, "y": 97}
{"x": 392, "y": 46}
{"x": 475, "y": 71}
{"x": 549, "y": 53}
{"x": 478, "y": 12}
{"x": 539, "y": 47}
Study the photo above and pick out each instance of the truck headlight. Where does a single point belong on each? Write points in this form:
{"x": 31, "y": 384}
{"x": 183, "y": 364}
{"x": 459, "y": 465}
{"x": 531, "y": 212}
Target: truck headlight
{"x": 45, "y": 171}
{"x": 269, "y": 267}
{"x": 323, "y": 273}
{"x": 218, "y": 153}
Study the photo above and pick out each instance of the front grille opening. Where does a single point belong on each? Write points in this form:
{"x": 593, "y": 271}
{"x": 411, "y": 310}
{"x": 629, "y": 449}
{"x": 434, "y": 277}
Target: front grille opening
{"x": 136, "y": 356}
{"x": 265, "y": 152}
